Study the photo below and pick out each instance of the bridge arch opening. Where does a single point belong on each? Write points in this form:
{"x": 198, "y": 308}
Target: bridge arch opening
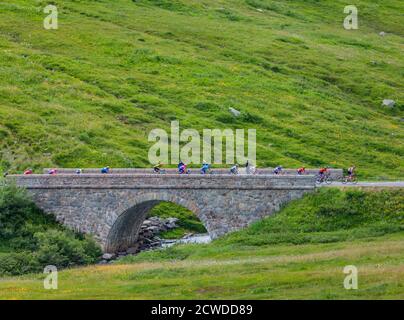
{"x": 124, "y": 231}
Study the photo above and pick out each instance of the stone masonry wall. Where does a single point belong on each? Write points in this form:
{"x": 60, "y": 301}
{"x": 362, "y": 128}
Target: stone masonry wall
{"x": 113, "y": 207}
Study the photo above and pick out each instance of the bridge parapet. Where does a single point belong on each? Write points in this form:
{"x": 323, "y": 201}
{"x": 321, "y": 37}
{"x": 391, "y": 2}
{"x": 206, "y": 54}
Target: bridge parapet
{"x": 163, "y": 181}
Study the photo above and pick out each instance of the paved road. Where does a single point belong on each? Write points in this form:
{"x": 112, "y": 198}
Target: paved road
{"x": 379, "y": 184}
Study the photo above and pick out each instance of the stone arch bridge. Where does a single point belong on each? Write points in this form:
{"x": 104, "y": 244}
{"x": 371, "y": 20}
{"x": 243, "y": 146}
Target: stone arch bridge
{"x": 112, "y": 207}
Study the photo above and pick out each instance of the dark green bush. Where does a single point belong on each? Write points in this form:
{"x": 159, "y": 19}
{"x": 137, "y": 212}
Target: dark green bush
{"x": 33, "y": 239}
{"x": 252, "y": 118}
{"x": 18, "y": 214}
{"x": 64, "y": 249}
{"x": 17, "y": 263}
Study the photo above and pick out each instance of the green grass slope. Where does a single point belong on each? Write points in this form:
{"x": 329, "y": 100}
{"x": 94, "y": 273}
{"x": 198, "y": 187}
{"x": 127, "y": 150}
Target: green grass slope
{"x": 88, "y": 94}
{"x": 265, "y": 261}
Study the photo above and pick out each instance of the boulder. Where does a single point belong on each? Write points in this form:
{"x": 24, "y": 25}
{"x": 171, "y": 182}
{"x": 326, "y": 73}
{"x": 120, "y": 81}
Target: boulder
{"x": 187, "y": 235}
{"x": 147, "y": 238}
{"x": 389, "y": 103}
{"x": 108, "y": 256}
{"x": 234, "y": 112}
{"x": 171, "y": 220}
{"x": 154, "y": 229}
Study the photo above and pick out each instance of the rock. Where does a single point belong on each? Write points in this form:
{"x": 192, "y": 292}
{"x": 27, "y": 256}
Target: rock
{"x": 187, "y": 235}
{"x": 234, "y": 112}
{"x": 169, "y": 241}
{"x": 108, "y": 256}
{"x": 147, "y": 238}
{"x": 154, "y": 229}
{"x": 382, "y": 33}
{"x": 171, "y": 220}
{"x": 389, "y": 103}
{"x": 103, "y": 262}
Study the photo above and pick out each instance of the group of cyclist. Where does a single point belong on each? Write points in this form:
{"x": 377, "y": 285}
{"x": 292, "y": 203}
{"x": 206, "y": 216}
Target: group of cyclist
{"x": 322, "y": 176}
{"x": 323, "y": 173}
{"x": 206, "y": 168}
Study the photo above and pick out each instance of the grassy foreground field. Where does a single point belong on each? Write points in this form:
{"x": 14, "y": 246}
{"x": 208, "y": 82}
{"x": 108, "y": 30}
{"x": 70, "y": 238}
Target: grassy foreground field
{"x": 313, "y": 271}
{"x": 88, "y": 94}
{"x": 300, "y": 253}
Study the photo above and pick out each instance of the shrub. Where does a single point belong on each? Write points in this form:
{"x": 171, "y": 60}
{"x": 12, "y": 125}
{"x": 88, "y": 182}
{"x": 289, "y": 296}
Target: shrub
{"x": 63, "y": 249}
{"x": 17, "y": 263}
{"x": 35, "y": 239}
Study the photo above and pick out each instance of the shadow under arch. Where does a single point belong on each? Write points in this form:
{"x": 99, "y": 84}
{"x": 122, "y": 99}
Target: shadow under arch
{"x": 124, "y": 231}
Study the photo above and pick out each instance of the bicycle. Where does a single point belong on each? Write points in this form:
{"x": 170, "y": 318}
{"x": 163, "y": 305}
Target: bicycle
{"x": 207, "y": 171}
{"x": 159, "y": 171}
{"x": 350, "y": 179}
{"x": 326, "y": 178}
{"x": 251, "y": 170}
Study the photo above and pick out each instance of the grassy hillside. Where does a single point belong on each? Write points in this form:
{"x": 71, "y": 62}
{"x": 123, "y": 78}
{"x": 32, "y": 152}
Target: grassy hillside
{"x": 89, "y": 93}
{"x": 261, "y": 262}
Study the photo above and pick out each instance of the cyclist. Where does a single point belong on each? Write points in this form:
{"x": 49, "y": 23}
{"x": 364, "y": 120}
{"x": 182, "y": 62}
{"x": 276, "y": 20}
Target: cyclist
{"x": 301, "y": 171}
{"x": 157, "y": 167}
{"x": 105, "y": 170}
{"x": 52, "y": 171}
{"x": 205, "y": 168}
{"x": 234, "y": 169}
{"x": 322, "y": 173}
{"x": 182, "y": 168}
{"x": 249, "y": 168}
{"x": 180, "y": 164}
{"x": 351, "y": 172}
{"x": 28, "y": 171}
{"x": 278, "y": 170}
